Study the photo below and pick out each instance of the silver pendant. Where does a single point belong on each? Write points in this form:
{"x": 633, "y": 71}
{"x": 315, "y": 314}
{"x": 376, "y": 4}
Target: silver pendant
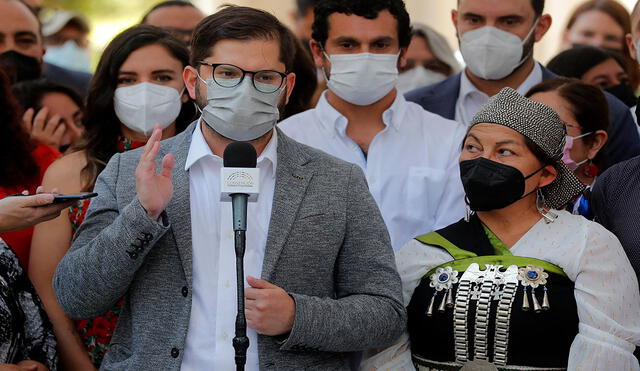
{"x": 429, "y": 312}
{"x": 525, "y": 300}
{"x": 545, "y": 300}
{"x": 536, "y": 305}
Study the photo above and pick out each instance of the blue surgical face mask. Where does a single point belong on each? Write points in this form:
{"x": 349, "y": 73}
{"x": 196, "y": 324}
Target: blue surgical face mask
{"x": 70, "y": 56}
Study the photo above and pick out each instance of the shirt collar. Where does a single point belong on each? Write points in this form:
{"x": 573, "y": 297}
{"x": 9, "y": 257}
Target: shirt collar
{"x": 199, "y": 149}
{"x": 332, "y": 119}
{"x": 467, "y": 88}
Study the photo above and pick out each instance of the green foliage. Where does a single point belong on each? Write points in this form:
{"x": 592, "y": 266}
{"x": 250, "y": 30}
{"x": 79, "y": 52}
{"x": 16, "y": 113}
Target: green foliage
{"x": 102, "y": 9}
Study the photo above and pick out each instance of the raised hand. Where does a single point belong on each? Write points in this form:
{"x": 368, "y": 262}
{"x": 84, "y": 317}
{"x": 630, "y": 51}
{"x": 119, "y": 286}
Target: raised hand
{"x": 154, "y": 189}
{"x": 48, "y": 131}
{"x": 269, "y": 309}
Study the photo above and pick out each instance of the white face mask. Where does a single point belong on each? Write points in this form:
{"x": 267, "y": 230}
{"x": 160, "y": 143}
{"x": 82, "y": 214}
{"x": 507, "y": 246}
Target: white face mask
{"x": 69, "y": 55}
{"x": 142, "y": 106}
{"x": 493, "y": 54}
{"x": 242, "y": 112}
{"x": 417, "y": 77}
{"x": 362, "y": 79}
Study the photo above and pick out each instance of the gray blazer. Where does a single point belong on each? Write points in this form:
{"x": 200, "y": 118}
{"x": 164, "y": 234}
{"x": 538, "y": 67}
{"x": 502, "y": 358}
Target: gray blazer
{"x": 327, "y": 246}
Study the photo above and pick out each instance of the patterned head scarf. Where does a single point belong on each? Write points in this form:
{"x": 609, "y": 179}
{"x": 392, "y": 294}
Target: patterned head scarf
{"x": 542, "y": 125}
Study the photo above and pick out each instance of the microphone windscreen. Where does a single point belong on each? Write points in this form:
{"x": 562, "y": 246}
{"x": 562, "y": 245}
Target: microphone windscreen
{"x": 239, "y": 154}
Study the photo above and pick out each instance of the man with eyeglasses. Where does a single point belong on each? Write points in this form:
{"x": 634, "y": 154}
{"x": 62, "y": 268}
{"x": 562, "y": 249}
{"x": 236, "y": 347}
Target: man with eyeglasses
{"x": 409, "y": 155}
{"x": 159, "y": 235}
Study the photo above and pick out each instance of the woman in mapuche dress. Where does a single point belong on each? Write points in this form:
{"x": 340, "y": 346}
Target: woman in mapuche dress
{"x": 517, "y": 284}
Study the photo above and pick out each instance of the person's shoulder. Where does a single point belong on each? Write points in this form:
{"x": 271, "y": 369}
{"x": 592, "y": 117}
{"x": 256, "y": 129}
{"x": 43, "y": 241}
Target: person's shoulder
{"x": 451, "y": 83}
{"x": 431, "y": 118}
{"x": 65, "y": 172}
{"x": 300, "y": 118}
{"x": 313, "y": 155}
{"x": 627, "y": 168}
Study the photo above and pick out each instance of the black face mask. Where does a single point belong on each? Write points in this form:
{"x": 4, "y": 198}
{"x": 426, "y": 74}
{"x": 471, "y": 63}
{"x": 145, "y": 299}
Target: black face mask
{"x": 19, "y": 67}
{"x": 625, "y": 93}
{"x": 490, "y": 185}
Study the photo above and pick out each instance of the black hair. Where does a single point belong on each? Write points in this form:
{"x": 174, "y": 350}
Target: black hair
{"x": 241, "y": 23}
{"x": 31, "y": 92}
{"x": 364, "y": 8}
{"x": 18, "y": 165}
{"x": 577, "y": 61}
{"x": 100, "y": 120}
{"x": 537, "y": 5}
{"x": 301, "y": 98}
{"x": 165, "y": 4}
{"x": 303, "y": 6}
{"x": 588, "y": 105}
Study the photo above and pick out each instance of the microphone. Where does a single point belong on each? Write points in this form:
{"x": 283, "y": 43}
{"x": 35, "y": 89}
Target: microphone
{"x": 240, "y": 182}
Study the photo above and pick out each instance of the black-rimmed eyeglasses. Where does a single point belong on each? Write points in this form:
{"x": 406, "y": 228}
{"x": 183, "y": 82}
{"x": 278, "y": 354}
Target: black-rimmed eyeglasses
{"x": 229, "y": 76}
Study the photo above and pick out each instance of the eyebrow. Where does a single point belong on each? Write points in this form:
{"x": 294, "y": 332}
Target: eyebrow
{"x": 346, "y": 39}
{"x": 378, "y": 39}
{"x": 163, "y": 71}
{"x": 473, "y": 137}
{"x": 25, "y": 33}
{"x": 508, "y": 141}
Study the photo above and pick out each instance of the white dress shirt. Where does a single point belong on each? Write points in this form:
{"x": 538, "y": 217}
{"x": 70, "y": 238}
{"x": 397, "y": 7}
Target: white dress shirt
{"x": 606, "y": 291}
{"x": 470, "y": 99}
{"x": 411, "y": 166}
{"x": 213, "y": 309}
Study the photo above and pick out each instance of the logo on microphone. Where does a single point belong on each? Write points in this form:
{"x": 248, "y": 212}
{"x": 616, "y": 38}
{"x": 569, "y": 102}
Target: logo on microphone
{"x": 240, "y": 179}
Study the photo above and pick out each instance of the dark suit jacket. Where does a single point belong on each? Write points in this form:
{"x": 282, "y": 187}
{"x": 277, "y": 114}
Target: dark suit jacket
{"x": 327, "y": 246}
{"x": 76, "y": 80}
{"x": 623, "y": 144}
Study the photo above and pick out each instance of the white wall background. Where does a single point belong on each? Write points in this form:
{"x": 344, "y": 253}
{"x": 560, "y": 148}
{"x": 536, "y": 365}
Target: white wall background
{"x": 436, "y": 13}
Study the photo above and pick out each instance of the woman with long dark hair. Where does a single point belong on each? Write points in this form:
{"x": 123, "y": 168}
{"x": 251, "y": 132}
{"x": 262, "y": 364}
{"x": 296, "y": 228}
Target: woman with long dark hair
{"x": 24, "y": 163}
{"x": 138, "y": 84}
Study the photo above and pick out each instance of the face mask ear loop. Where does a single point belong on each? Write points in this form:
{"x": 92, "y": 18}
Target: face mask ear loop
{"x": 541, "y": 205}
{"x": 526, "y": 39}
{"x": 326, "y": 56}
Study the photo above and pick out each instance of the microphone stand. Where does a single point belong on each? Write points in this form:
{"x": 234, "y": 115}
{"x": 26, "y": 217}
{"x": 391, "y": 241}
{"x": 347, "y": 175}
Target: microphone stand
{"x": 240, "y": 341}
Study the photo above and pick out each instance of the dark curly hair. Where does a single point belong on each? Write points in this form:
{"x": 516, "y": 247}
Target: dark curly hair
{"x": 100, "y": 120}
{"x": 18, "y": 165}
{"x": 364, "y": 8}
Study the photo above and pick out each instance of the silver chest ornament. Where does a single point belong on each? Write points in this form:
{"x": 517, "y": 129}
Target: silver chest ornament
{"x": 443, "y": 279}
{"x": 533, "y": 277}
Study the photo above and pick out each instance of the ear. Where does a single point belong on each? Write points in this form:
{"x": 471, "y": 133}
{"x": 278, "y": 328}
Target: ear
{"x": 316, "y": 51}
{"x": 190, "y": 77}
{"x": 599, "y": 140}
{"x": 543, "y": 26}
{"x": 291, "y": 82}
{"x": 549, "y": 174}
{"x": 632, "y": 47}
{"x": 402, "y": 60}
{"x": 454, "y": 18}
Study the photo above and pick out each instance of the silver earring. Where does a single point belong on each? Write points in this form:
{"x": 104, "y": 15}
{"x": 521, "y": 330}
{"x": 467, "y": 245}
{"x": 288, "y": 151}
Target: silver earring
{"x": 549, "y": 217}
{"x": 468, "y": 211}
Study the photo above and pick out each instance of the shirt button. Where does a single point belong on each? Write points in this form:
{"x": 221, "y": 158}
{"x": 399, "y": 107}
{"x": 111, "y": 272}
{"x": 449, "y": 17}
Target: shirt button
{"x": 185, "y": 291}
{"x": 175, "y": 352}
